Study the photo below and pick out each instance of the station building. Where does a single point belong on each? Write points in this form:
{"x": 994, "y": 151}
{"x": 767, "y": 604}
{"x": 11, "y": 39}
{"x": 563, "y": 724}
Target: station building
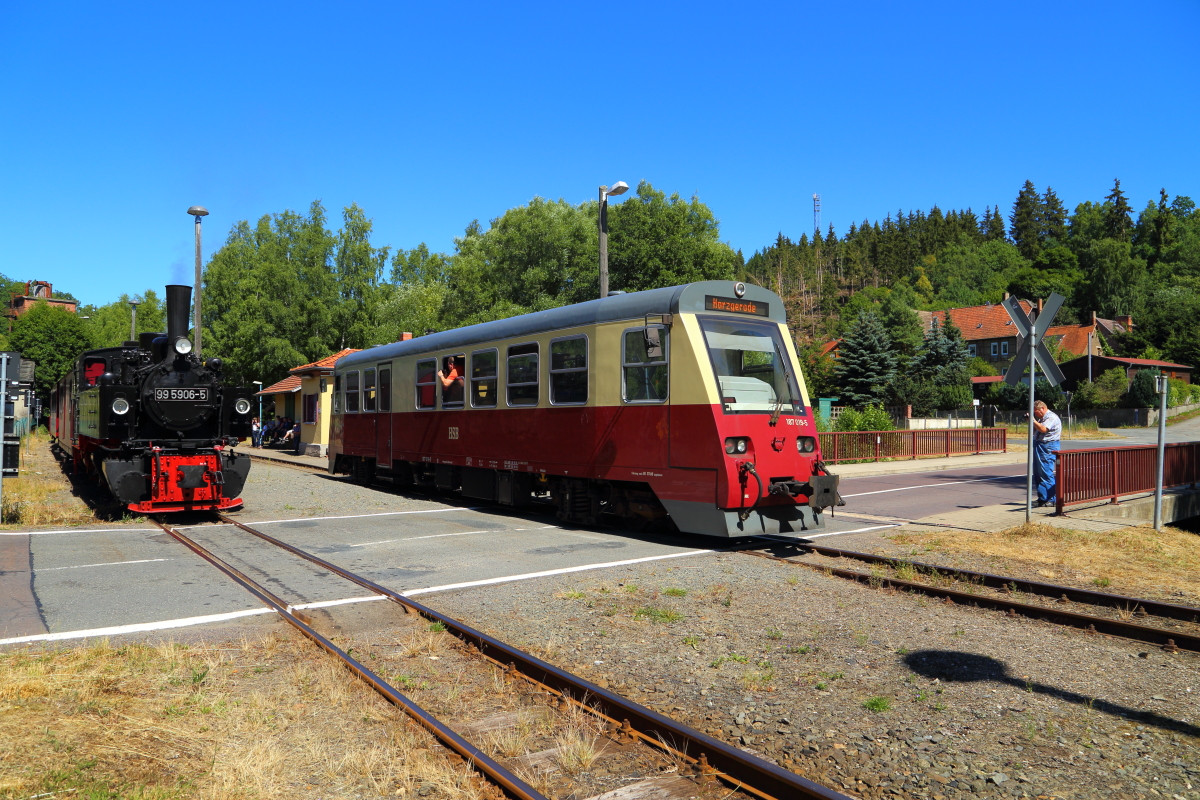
{"x": 305, "y": 395}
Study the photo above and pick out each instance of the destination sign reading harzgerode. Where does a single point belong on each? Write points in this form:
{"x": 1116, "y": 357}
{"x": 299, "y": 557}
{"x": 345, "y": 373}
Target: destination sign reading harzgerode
{"x": 736, "y": 306}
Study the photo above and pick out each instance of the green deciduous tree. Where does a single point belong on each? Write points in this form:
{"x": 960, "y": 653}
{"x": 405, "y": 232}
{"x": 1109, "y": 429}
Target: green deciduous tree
{"x": 53, "y": 337}
{"x": 109, "y": 324}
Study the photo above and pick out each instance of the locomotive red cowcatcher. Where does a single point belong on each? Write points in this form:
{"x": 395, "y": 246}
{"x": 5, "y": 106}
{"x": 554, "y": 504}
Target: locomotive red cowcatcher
{"x": 154, "y": 422}
{"x": 681, "y": 407}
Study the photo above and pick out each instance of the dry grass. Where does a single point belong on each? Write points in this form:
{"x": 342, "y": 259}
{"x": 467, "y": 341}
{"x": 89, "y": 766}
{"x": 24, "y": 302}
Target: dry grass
{"x": 578, "y": 740}
{"x": 275, "y": 718}
{"x": 41, "y": 494}
{"x": 1135, "y": 560}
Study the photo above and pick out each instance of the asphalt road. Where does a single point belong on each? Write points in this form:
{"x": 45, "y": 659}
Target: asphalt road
{"x": 917, "y": 494}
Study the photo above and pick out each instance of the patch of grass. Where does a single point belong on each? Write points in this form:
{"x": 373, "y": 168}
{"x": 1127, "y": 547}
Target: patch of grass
{"x": 834, "y": 676}
{"x": 437, "y": 627}
{"x": 1102, "y": 582}
{"x": 821, "y": 686}
{"x": 572, "y": 594}
{"x": 657, "y": 615}
{"x": 758, "y": 679}
{"x": 774, "y": 633}
{"x": 739, "y": 659}
{"x": 902, "y": 651}
{"x": 693, "y": 642}
{"x": 905, "y": 571}
{"x": 675, "y": 592}
{"x": 877, "y": 705}
{"x": 631, "y": 588}
{"x": 802, "y": 650}
{"x": 792, "y": 580}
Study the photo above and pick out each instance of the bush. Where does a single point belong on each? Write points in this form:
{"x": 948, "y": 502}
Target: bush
{"x": 1141, "y": 392}
{"x": 871, "y": 418}
{"x": 1181, "y": 393}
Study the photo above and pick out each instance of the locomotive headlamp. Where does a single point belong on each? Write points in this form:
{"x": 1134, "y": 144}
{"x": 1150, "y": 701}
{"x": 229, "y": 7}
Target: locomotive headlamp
{"x": 242, "y": 406}
{"x": 120, "y": 406}
{"x": 805, "y": 444}
{"x": 183, "y": 345}
{"x": 736, "y": 444}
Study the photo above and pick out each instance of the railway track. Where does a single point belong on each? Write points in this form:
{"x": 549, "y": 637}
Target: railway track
{"x": 706, "y": 762}
{"x": 1001, "y": 593}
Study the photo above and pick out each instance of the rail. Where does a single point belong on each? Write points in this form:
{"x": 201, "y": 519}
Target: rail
{"x": 1110, "y": 473}
{"x": 841, "y": 446}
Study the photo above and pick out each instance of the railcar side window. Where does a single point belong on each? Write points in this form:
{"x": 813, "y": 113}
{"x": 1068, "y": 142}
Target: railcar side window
{"x": 426, "y": 380}
{"x": 568, "y": 370}
{"x": 368, "y": 389}
{"x": 385, "y": 388}
{"x": 351, "y": 392}
{"x": 523, "y": 375}
{"x": 483, "y": 379}
{"x": 337, "y": 394}
{"x": 644, "y": 379}
{"x": 452, "y": 394}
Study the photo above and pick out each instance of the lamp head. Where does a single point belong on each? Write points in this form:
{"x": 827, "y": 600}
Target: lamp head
{"x": 198, "y": 211}
{"x": 620, "y": 187}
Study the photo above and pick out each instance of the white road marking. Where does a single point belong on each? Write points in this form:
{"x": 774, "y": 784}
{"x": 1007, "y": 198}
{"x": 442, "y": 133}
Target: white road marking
{"x": 931, "y": 485}
{"x": 140, "y": 627}
{"x": 360, "y": 516}
{"x": 108, "y": 564}
{"x": 344, "y": 601}
{"x": 88, "y": 530}
{"x": 548, "y": 573}
{"x": 463, "y": 533}
{"x": 856, "y": 530}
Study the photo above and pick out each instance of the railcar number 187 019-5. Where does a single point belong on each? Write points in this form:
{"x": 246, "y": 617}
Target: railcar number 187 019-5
{"x": 195, "y": 395}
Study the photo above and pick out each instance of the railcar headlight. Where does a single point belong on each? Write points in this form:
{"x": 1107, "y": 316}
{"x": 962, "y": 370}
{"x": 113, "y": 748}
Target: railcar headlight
{"x": 242, "y": 406}
{"x": 805, "y": 444}
{"x": 183, "y": 345}
{"x": 736, "y": 444}
{"x": 120, "y": 406}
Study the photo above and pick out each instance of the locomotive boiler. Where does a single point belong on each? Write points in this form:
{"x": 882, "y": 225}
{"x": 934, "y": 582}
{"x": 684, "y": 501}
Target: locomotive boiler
{"x": 154, "y": 423}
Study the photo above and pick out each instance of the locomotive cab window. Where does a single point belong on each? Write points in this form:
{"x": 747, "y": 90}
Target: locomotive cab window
{"x": 93, "y": 368}
{"x": 426, "y": 380}
{"x": 368, "y": 389}
{"x": 523, "y": 375}
{"x": 483, "y": 379}
{"x": 644, "y": 376}
{"x": 385, "y": 388}
{"x": 453, "y": 382}
{"x": 351, "y": 392}
{"x": 753, "y": 370}
{"x": 569, "y": 371}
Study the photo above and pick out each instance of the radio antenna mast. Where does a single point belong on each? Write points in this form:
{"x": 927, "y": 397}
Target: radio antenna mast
{"x": 816, "y": 215}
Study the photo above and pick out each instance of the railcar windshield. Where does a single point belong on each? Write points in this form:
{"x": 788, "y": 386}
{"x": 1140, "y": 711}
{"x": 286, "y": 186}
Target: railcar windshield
{"x": 754, "y": 373}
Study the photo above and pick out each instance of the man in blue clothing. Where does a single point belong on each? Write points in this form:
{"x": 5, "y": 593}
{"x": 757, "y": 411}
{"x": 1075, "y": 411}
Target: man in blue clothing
{"x": 1047, "y": 429}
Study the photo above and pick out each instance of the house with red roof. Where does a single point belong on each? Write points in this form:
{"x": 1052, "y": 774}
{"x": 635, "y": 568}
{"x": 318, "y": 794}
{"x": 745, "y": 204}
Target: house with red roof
{"x": 1087, "y": 368}
{"x": 305, "y": 395}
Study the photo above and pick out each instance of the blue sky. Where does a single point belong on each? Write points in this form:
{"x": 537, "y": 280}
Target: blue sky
{"x": 117, "y": 117}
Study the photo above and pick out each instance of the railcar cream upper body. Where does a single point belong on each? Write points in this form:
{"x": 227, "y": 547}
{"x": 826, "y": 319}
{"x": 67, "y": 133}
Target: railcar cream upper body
{"x": 686, "y": 401}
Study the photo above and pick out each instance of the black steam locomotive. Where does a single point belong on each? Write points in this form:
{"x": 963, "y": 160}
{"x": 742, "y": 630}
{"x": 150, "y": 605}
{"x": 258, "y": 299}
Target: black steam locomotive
{"x": 155, "y": 422}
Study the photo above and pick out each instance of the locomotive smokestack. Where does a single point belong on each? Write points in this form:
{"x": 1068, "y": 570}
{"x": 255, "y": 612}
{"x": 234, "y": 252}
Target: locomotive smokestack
{"x": 179, "y": 303}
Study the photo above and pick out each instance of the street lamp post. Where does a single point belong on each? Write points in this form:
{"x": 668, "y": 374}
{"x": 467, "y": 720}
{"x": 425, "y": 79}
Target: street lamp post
{"x": 260, "y": 419}
{"x": 198, "y": 212}
{"x": 133, "y": 321}
{"x": 1163, "y": 387}
{"x": 618, "y": 188}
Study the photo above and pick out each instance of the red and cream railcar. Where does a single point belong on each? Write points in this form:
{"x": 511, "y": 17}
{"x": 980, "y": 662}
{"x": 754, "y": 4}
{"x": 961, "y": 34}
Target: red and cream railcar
{"x": 683, "y": 404}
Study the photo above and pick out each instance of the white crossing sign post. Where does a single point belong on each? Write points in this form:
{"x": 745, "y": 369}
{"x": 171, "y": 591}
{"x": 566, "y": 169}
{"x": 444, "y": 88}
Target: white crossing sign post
{"x": 1033, "y": 351}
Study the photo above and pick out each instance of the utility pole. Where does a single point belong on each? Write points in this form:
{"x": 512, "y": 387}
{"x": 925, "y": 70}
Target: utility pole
{"x": 133, "y": 321}
{"x": 620, "y": 187}
{"x": 1163, "y": 386}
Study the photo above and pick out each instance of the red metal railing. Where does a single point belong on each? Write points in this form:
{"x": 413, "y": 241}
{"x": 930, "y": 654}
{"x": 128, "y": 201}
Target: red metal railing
{"x": 876, "y": 445}
{"x": 1084, "y": 476}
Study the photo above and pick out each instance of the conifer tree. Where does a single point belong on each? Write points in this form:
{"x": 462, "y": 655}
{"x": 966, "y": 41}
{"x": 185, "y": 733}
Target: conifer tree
{"x": 1054, "y": 219}
{"x": 995, "y": 226}
{"x": 866, "y": 364}
{"x": 1117, "y": 214}
{"x": 1026, "y": 221}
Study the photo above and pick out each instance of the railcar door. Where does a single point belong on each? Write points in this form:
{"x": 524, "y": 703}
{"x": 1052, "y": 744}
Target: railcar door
{"x": 370, "y": 415}
{"x": 383, "y": 425}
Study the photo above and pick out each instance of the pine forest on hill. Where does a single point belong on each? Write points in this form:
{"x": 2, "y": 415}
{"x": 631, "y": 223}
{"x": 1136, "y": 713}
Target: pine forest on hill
{"x": 287, "y": 289}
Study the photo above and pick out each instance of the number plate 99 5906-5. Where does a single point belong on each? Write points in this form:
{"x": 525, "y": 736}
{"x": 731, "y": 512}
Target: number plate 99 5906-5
{"x": 195, "y": 395}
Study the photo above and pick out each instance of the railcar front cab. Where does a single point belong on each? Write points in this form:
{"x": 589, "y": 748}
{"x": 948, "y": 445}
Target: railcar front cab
{"x": 771, "y": 477}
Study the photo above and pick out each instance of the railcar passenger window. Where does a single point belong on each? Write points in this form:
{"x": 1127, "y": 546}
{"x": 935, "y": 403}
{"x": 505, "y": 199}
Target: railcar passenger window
{"x": 351, "y": 392}
{"x": 644, "y": 379}
{"x": 568, "y": 371}
{"x": 426, "y": 377}
{"x": 454, "y": 369}
{"x": 523, "y": 375}
{"x": 385, "y": 388}
{"x": 337, "y": 394}
{"x": 483, "y": 379}
{"x": 368, "y": 390}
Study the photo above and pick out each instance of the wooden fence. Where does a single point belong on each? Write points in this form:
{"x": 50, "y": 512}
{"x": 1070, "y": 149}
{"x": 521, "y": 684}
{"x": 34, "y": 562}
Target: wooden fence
{"x": 840, "y": 446}
{"x": 1109, "y": 473}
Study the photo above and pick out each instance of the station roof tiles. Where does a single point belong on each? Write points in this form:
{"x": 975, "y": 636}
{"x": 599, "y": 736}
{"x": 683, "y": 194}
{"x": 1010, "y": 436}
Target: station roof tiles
{"x": 981, "y": 322}
{"x": 1147, "y": 362}
{"x": 289, "y": 384}
{"x": 323, "y": 364}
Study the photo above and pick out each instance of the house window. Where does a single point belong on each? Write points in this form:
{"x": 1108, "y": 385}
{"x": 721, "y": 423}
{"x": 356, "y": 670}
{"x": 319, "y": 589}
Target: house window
{"x": 643, "y": 378}
{"x": 452, "y": 395}
{"x": 337, "y": 394}
{"x": 568, "y": 370}
{"x": 385, "y": 388}
{"x": 483, "y": 379}
{"x": 1004, "y": 348}
{"x": 995, "y": 349}
{"x": 971, "y": 350}
{"x": 523, "y": 375}
{"x": 310, "y": 409}
{"x": 426, "y": 389}
{"x": 369, "y": 389}
{"x": 351, "y": 392}
{"x": 1003, "y": 371}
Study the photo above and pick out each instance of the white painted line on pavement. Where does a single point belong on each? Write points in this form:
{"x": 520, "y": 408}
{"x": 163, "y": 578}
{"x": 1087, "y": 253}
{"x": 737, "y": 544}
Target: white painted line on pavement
{"x": 139, "y": 627}
{"x": 108, "y": 564}
{"x": 88, "y": 530}
{"x": 934, "y": 485}
{"x": 344, "y": 601}
{"x": 360, "y": 516}
{"x": 856, "y": 530}
{"x": 551, "y": 572}
{"x": 463, "y": 533}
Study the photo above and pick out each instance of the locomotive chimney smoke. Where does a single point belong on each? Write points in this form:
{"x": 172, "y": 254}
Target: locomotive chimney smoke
{"x": 179, "y": 304}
